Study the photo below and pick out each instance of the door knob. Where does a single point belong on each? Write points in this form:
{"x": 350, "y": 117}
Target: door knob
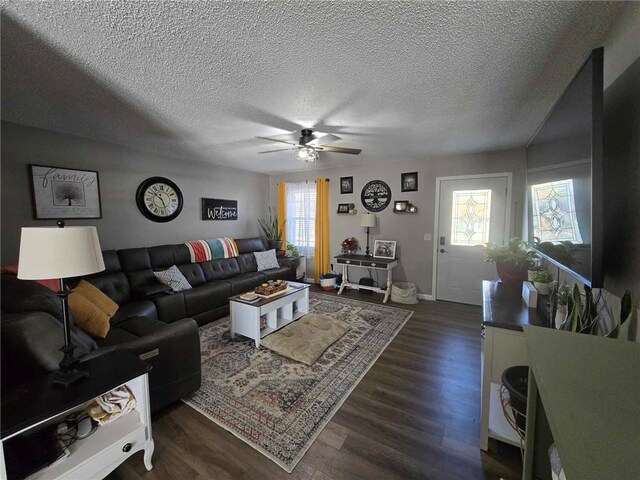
{"x": 442, "y": 250}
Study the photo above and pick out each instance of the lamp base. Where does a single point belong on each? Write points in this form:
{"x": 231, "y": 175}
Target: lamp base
{"x": 69, "y": 372}
{"x": 69, "y": 377}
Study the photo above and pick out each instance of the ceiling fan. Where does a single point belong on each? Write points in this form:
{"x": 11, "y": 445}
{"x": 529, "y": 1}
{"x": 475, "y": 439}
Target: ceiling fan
{"x": 308, "y": 146}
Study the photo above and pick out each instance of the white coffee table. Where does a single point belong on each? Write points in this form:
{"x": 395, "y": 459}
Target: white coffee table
{"x": 277, "y": 311}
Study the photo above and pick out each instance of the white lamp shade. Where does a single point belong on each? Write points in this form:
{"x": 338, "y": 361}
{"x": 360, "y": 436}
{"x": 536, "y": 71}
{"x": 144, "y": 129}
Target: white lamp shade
{"x": 367, "y": 220}
{"x": 52, "y": 252}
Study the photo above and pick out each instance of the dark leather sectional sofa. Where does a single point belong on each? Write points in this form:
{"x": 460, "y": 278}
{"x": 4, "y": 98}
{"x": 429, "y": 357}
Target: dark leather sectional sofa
{"x": 159, "y": 326}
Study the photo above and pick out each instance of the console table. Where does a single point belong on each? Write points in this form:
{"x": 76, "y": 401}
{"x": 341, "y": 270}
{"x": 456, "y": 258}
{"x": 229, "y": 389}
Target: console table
{"x": 41, "y": 402}
{"x": 363, "y": 261}
{"x": 503, "y": 346}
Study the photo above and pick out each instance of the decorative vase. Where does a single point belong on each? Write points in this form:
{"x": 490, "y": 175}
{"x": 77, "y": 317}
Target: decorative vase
{"x": 542, "y": 288}
{"x": 509, "y": 272}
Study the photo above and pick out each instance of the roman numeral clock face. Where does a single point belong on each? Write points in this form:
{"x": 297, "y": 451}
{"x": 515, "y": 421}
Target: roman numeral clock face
{"x": 159, "y": 199}
{"x": 376, "y": 196}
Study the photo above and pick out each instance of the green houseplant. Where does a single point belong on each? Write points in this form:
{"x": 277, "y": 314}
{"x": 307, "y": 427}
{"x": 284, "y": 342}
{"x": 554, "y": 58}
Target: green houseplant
{"x": 542, "y": 281}
{"x": 591, "y": 314}
{"x": 292, "y": 250}
{"x": 271, "y": 231}
{"x": 512, "y": 260}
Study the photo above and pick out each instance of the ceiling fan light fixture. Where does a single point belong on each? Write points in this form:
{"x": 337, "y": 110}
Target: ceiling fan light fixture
{"x": 306, "y": 154}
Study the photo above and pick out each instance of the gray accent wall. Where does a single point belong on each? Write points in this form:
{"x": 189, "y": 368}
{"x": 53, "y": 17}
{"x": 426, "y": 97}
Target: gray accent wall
{"x": 408, "y": 230}
{"x": 121, "y": 170}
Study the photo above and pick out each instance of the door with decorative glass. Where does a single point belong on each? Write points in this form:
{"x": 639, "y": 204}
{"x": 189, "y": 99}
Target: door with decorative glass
{"x": 472, "y": 211}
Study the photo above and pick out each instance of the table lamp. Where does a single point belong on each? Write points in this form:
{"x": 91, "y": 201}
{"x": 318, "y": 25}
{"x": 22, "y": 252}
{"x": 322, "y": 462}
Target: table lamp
{"x": 367, "y": 220}
{"x": 51, "y": 252}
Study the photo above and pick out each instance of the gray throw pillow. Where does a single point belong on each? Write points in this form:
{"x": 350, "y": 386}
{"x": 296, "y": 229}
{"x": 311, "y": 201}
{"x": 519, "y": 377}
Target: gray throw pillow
{"x": 172, "y": 277}
{"x": 266, "y": 260}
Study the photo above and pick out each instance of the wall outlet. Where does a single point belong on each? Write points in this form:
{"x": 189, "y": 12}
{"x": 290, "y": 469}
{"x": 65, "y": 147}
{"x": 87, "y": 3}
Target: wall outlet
{"x": 428, "y": 237}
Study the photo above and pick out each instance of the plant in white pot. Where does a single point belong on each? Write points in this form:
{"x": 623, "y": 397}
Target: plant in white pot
{"x": 542, "y": 281}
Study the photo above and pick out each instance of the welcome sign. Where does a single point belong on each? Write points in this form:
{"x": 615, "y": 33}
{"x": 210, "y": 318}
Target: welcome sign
{"x": 218, "y": 209}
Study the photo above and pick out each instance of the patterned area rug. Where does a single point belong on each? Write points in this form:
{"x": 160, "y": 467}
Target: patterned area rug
{"x": 277, "y": 405}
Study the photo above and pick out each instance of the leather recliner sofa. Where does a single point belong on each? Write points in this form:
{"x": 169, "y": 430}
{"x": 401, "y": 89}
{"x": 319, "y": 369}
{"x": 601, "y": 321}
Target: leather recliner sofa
{"x": 130, "y": 282}
{"x": 156, "y": 325}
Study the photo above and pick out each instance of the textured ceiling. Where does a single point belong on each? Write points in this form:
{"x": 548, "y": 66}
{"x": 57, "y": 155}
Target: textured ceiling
{"x": 401, "y": 80}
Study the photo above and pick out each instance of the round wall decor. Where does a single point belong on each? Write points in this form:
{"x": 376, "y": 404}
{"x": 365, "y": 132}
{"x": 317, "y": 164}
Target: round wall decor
{"x": 376, "y": 196}
{"x": 159, "y": 199}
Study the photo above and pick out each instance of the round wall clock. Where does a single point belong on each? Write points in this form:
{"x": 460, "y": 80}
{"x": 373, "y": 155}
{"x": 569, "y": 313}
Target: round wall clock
{"x": 376, "y": 196}
{"x": 159, "y": 199}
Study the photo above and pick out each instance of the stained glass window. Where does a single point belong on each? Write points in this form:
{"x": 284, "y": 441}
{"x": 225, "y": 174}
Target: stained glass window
{"x": 470, "y": 217}
{"x": 554, "y": 212}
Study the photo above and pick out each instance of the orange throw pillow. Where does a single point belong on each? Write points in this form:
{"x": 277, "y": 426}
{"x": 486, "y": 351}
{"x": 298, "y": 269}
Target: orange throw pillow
{"x": 95, "y": 296}
{"x": 87, "y": 315}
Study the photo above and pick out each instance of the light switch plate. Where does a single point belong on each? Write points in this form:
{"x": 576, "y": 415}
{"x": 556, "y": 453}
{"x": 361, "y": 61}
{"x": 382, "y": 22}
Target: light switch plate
{"x": 428, "y": 237}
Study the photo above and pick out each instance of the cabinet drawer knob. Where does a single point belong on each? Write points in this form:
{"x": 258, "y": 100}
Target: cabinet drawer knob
{"x": 126, "y": 448}
{"x": 347, "y": 261}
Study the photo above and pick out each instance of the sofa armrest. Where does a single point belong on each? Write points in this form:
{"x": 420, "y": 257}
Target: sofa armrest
{"x": 289, "y": 262}
{"x": 173, "y": 351}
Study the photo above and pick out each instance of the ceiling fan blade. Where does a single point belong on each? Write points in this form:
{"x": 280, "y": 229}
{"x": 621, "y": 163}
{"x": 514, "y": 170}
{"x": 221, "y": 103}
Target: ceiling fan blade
{"x": 351, "y": 151}
{"x": 278, "y": 150}
{"x": 277, "y": 140}
{"x": 324, "y": 137}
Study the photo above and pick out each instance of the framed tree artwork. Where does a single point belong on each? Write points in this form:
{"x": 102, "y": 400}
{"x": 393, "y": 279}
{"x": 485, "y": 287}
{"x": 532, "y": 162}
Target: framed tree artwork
{"x": 64, "y": 193}
{"x": 409, "y": 182}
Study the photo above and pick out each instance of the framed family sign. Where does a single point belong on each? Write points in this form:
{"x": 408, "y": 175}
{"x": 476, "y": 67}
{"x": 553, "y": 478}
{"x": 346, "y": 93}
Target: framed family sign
{"x": 64, "y": 193}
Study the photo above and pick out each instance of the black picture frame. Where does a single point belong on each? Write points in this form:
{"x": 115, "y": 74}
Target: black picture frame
{"x": 400, "y": 205}
{"x": 409, "y": 182}
{"x": 346, "y": 185}
{"x": 51, "y": 187}
{"x": 343, "y": 208}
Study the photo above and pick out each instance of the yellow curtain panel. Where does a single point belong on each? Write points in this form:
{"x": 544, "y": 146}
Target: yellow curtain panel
{"x": 321, "y": 258}
{"x": 282, "y": 212}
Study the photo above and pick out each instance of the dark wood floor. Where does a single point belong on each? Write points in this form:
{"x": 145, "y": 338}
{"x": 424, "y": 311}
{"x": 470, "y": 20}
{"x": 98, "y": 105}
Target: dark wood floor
{"x": 416, "y": 414}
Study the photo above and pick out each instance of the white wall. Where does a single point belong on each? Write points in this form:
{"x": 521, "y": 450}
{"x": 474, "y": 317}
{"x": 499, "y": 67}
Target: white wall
{"x": 415, "y": 254}
{"x": 121, "y": 170}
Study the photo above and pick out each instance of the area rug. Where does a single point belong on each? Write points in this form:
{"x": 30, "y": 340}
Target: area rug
{"x": 277, "y": 405}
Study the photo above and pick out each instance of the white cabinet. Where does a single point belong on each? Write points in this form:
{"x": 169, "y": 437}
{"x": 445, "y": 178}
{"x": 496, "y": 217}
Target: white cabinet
{"x": 501, "y": 348}
{"x": 110, "y": 445}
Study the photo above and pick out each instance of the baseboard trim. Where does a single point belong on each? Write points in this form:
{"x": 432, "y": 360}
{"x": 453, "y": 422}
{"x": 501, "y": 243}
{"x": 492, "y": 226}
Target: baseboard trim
{"x": 424, "y": 296}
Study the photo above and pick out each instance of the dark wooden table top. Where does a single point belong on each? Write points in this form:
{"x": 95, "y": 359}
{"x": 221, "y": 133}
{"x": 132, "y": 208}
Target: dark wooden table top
{"x": 40, "y": 399}
{"x": 504, "y": 307}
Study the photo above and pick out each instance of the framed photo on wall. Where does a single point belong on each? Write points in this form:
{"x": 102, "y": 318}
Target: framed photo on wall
{"x": 346, "y": 185}
{"x": 343, "y": 208}
{"x": 409, "y": 182}
{"x": 400, "y": 206}
{"x": 64, "y": 193}
{"x": 384, "y": 249}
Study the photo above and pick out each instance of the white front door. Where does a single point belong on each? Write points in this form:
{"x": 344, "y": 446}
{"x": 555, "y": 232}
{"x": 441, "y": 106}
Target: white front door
{"x": 472, "y": 212}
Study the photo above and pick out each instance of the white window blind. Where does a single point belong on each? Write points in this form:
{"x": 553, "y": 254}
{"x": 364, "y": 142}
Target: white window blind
{"x": 301, "y": 216}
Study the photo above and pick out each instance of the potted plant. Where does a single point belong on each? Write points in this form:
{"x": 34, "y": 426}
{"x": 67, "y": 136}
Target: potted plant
{"x": 542, "y": 281}
{"x": 512, "y": 260}
{"x": 292, "y": 250}
{"x": 271, "y": 231}
{"x": 589, "y": 316}
{"x": 532, "y": 269}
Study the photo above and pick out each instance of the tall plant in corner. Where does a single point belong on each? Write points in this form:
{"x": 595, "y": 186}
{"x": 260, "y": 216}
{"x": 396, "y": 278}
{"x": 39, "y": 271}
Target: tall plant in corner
{"x": 271, "y": 231}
